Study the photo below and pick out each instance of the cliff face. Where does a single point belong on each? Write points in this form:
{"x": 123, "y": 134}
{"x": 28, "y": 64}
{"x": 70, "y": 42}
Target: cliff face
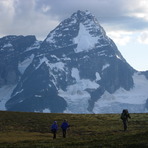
{"x": 11, "y": 53}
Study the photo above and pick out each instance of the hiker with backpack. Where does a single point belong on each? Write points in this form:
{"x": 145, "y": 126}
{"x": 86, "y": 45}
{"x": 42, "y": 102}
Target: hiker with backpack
{"x": 64, "y": 127}
{"x": 54, "y": 129}
{"x": 124, "y": 116}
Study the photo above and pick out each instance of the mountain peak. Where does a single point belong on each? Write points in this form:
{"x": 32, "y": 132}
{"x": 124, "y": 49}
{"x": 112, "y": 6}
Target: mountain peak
{"x": 80, "y": 25}
{"x": 80, "y": 14}
{"x": 77, "y": 69}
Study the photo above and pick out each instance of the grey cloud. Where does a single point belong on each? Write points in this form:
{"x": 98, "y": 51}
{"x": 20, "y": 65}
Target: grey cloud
{"x": 29, "y": 15}
{"x": 111, "y": 12}
{"x": 100, "y": 7}
{"x": 125, "y": 23}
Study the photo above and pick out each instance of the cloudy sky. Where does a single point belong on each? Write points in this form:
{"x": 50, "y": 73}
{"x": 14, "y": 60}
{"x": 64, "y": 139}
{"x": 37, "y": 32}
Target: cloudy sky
{"x": 125, "y": 21}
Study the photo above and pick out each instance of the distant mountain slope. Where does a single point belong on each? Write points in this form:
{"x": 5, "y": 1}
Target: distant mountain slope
{"x": 76, "y": 69}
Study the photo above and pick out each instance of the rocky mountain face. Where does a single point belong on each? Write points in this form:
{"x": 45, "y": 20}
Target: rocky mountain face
{"x": 76, "y": 69}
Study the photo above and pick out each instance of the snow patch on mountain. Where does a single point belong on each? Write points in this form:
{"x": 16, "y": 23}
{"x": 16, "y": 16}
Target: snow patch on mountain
{"x": 55, "y": 57}
{"x": 57, "y": 66}
{"x": 8, "y": 45}
{"x": 53, "y": 66}
{"x": 42, "y": 60}
{"x": 50, "y": 39}
{"x": 98, "y": 77}
{"x": 75, "y": 74}
{"x": 84, "y": 40}
{"x": 46, "y": 110}
{"x": 18, "y": 92}
{"x": 36, "y": 45}
{"x": 105, "y": 66}
{"x": 5, "y": 93}
{"x": 23, "y": 65}
{"x": 134, "y": 100}
{"x": 118, "y": 57}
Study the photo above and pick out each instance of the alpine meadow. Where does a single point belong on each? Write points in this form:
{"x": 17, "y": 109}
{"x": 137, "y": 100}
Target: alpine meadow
{"x": 32, "y": 130}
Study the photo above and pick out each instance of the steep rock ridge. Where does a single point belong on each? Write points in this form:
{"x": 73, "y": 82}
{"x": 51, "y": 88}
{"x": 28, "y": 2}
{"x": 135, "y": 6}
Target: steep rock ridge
{"x": 11, "y": 50}
{"x": 76, "y": 69}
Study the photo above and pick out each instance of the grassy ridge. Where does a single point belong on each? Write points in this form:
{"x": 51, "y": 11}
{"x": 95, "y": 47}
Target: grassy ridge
{"x": 32, "y": 130}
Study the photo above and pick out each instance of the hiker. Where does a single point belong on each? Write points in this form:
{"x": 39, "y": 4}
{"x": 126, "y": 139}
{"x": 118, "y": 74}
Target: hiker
{"x": 54, "y": 129}
{"x": 64, "y": 127}
{"x": 124, "y": 116}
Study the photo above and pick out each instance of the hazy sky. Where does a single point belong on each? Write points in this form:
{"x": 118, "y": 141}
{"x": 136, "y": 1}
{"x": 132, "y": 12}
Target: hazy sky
{"x": 125, "y": 22}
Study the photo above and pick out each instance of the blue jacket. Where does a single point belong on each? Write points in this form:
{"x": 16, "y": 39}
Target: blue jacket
{"x": 54, "y": 127}
{"x": 64, "y": 125}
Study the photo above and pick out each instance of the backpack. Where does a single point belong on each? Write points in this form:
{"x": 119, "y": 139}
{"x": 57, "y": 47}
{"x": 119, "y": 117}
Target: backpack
{"x": 124, "y": 114}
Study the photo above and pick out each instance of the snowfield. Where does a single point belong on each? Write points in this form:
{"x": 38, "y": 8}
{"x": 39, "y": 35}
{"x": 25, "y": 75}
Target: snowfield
{"x": 76, "y": 95}
{"x": 133, "y": 100}
{"x": 84, "y": 40}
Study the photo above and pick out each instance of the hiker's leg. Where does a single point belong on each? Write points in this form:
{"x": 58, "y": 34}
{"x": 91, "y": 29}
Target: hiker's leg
{"x": 64, "y": 133}
{"x": 54, "y": 135}
{"x": 125, "y": 125}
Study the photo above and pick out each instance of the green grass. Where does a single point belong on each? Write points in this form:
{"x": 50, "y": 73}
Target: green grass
{"x": 32, "y": 130}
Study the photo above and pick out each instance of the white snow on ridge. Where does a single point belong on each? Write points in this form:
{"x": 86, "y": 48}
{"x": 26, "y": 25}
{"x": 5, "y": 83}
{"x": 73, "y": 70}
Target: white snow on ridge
{"x": 42, "y": 60}
{"x": 36, "y": 45}
{"x": 134, "y": 100}
{"x": 5, "y": 93}
{"x": 58, "y": 65}
{"x": 8, "y": 45}
{"x": 75, "y": 74}
{"x": 84, "y": 40}
{"x": 46, "y": 110}
{"x": 98, "y": 76}
{"x": 55, "y": 66}
{"x": 53, "y": 56}
{"x": 105, "y": 66}
{"x": 76, "y": 95}
{"x": 50, "y": 39}
{"x": 18, "y": 92}
{"x": 23, "y": 65}
{"x": 118, "y": 57}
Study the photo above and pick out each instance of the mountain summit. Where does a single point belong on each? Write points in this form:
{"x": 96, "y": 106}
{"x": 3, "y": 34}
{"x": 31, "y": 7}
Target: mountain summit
{"x": 76, "y": 69}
